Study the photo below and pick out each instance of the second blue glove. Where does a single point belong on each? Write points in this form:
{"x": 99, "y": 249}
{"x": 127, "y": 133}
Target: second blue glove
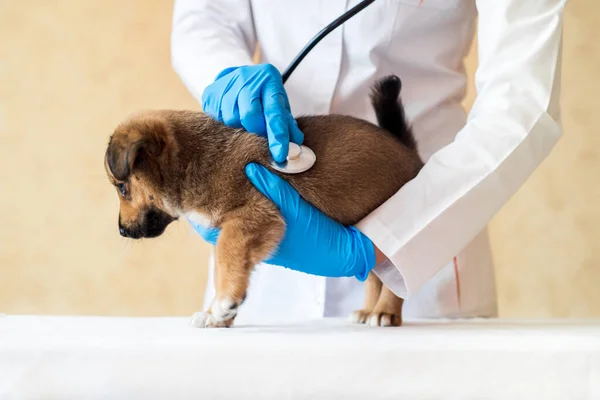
{"x": 313, "y": 242}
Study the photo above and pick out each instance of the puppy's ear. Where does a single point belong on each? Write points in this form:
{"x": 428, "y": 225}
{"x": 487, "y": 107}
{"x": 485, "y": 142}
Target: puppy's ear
{"x": 130, "y": 141}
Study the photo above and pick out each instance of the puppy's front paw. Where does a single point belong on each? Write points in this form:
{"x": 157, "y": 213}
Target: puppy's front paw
{"x": 360, "y": 316}
{"x": 221, "y": 314}
{"x": 199, "y": 319}
{"x": 205, "y": 319}
{"x": 384, "y": 319}
{"x": 224, "y": 309}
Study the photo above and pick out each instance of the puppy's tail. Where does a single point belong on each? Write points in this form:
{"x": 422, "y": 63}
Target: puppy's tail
{"x": 389, "y": 110}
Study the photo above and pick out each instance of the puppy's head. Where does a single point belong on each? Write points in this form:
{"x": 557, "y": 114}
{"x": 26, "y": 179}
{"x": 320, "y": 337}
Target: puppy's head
{"x": 137, "y": 163}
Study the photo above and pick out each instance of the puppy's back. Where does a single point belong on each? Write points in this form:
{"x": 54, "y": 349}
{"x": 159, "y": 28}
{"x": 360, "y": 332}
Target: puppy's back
{"x": 359, "y": 165}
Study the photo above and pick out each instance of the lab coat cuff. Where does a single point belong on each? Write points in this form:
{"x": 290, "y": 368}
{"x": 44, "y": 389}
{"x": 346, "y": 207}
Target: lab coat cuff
{"x": 392, "y": 278}
{"x": 396, "y": 276}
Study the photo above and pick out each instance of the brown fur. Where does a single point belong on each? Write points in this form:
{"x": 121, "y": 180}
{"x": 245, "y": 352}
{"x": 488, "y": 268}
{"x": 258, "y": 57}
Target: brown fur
{"x": 174, "y": 162}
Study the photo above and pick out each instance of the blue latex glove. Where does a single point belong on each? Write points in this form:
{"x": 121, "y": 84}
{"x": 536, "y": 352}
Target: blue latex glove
{"x": 313, "y": 242}
{"x": 253, "y": 97}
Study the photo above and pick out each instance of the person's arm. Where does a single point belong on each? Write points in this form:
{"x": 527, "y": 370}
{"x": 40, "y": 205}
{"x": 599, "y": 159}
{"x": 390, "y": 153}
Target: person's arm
{"x": 212, "y": 44}
{"x": 513, "y": 125}
{"x": 209, "y": 36}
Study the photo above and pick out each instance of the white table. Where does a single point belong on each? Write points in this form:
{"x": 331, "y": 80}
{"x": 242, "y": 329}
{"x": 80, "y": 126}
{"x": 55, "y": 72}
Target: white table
{"x": 163, "y": 358}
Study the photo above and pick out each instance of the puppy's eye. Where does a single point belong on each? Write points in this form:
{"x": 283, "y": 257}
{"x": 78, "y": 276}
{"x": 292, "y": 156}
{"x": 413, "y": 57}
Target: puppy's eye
{"x": 122, "y": 189}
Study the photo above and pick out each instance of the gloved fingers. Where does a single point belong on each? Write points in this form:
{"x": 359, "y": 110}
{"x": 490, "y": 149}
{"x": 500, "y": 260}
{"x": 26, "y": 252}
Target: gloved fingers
{"x": 225, "y": 72}
{"x": 251, "y": 111}
{"x": 278, "y": 136}
{"x": 211, "y": 101}
{"x": 364, "y": 251}
{"x": 230, "y": 113}
{"x": 209, "y": 234}
{"x": 276, "y": 189}
{"x": 276, "y": 118}
{"x": 296, "y": 134}
{"x": 216, "y": 92}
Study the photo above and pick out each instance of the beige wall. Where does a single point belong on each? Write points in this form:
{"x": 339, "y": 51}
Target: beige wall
{"x": 70, "y": 70}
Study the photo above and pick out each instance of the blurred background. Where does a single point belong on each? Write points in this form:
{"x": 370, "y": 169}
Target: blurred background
{"x": 70, "y": 70}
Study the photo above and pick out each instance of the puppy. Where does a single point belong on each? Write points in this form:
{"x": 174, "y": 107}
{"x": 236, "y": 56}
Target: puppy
{"x": 166, "y": 164}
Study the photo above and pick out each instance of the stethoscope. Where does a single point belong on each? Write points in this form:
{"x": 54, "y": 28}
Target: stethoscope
{"x": 301, "y": 158}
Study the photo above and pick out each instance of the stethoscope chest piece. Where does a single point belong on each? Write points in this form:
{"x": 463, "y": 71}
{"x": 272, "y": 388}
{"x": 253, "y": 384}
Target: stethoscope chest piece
{"x": 300, "y": 158}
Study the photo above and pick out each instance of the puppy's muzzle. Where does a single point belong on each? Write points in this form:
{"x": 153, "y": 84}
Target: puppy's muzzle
{"x": 153, "y": 224}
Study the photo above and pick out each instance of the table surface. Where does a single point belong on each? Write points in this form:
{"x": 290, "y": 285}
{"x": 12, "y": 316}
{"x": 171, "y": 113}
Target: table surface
{"x": 111, "y": 357}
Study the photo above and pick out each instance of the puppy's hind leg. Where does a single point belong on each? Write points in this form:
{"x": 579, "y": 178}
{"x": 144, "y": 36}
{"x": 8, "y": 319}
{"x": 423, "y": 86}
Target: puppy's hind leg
{"x": 242, "y": 243}
{"x": 387, "y": 311}
{"x": 372, "y": 291}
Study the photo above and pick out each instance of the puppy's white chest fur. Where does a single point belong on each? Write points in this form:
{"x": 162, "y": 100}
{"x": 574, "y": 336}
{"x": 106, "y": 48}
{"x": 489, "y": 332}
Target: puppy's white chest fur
{"x": 198, "y": 218}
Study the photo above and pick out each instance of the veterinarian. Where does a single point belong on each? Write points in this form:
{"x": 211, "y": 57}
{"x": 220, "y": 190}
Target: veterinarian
{"x": 428, "y": 243}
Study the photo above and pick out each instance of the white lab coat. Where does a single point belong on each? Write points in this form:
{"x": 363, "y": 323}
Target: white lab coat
{"x": 434, "y": 229}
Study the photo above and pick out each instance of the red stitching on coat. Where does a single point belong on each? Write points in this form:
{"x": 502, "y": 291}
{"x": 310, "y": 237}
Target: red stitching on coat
{"x": 457, "y": 279}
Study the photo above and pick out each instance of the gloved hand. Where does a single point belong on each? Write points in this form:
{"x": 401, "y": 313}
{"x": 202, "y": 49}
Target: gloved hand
{"x": 313, "y": 242}
{"x": 253, "y": 97}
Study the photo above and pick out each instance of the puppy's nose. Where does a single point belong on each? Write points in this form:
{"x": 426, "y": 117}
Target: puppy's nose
{"x": 122, "y": 231}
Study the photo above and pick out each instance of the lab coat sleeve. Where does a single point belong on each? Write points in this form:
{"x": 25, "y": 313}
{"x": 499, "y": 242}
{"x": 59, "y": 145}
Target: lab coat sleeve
{"x": 208, "y": 36}
{"x": 513, "y": 125}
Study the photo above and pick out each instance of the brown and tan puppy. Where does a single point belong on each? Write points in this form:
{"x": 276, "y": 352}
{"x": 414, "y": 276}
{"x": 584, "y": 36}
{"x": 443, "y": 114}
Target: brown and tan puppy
{"x": 166, "y": 164}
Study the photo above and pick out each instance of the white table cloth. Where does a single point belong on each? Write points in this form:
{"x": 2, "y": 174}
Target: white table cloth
{"x": 163, "y": 358}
